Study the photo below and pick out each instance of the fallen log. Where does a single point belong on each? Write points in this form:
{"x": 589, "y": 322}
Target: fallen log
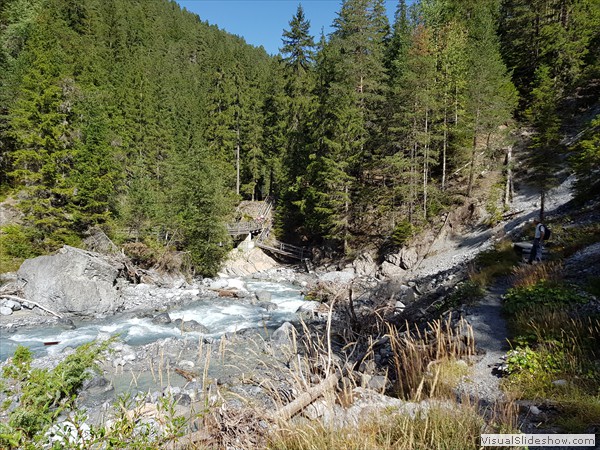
{"x": 227, "y": 293}
{"x": 22, "y": 300}
{"x": 297, "y": 405}
{"x": 189, "y": 376}
{"x": 512, "y": 214}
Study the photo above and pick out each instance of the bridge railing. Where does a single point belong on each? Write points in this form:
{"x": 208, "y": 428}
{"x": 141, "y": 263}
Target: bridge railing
{"x": 244, "y": 227}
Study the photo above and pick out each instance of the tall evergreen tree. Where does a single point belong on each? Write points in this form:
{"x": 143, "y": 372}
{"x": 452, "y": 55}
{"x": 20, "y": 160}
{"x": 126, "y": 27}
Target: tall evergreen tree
{"x": 545, "y": 157}
{"x": 299, "y": 83}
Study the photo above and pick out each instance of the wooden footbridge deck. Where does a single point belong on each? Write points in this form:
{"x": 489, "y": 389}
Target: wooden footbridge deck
{"x": 261, "y": 228}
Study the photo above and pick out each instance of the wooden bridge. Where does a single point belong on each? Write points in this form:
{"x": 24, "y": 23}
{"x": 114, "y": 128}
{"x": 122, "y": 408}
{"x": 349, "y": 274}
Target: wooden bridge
{"x": 262, "y": 228}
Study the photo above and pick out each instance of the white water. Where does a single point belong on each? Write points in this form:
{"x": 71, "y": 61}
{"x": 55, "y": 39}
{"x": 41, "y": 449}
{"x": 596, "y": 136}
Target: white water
{"x": 220, "y": 316}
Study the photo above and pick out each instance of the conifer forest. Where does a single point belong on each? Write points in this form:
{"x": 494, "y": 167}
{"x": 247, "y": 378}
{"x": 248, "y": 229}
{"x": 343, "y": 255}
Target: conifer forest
{"x": 138, "y": 117}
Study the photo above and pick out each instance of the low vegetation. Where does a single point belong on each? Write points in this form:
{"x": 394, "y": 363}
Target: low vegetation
{"x": 43, "y": 394}
{"x": 555, "y": 357}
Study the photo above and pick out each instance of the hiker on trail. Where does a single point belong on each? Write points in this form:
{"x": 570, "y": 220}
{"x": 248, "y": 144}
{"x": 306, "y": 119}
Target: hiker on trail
{"x": 538, "y": 239}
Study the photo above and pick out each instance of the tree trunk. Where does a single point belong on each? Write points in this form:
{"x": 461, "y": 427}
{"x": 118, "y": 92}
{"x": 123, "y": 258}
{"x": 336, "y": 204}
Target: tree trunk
{"x": 473, "y": 156}
{"x": 444, "y": 148}
{"x": 542, "y": 205}
{"x": 472, "y": 166}
{"x": 425, "y": 165}
{"x": 305, "y": 399}
{"x": 508, "y": 187}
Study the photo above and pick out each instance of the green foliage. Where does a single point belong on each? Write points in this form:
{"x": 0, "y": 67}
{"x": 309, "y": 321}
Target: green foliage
{"x": 540, "y": 294}
{"x": 496, "y": 262}
{"x": 524, "y": 359}
{"x": 467, "y": 292}
{"x": 403, "y": 232}
{"x": 585, "y": 159}
{"x": 16, "y": 244}
{"x": 43, "y": 393}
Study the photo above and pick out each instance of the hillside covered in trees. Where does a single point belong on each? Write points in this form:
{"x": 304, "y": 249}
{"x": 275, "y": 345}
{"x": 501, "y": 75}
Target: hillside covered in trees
{"x": 138, "y": 117}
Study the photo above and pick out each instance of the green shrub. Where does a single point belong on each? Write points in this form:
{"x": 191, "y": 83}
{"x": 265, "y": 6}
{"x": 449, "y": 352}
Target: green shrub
{"x": 403, "y": 231}
{"x": 467, "y": 292}
{"x": 44, "y": 394}
{"x": 17, "y": 245}
{"x": 540, "y": 294}
{"x": 524, "y": 359}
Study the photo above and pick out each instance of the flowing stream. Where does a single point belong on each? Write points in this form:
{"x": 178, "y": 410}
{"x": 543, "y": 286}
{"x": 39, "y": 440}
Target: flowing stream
{"x": 220, "y": 316}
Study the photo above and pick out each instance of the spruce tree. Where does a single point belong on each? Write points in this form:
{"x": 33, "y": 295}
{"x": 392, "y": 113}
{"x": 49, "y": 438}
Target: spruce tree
{"x": 298, "y": 67}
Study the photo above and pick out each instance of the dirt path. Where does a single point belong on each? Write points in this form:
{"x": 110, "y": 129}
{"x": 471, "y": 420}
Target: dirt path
{"x": 491, "y": 333}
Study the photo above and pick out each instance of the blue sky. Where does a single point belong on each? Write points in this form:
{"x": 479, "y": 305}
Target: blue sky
{"x": 261, "y": 22}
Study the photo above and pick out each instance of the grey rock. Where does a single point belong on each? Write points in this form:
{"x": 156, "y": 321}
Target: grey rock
{"x": 263, "y": 296}
{"x": 183, "y": 399}
{"x": 269, "y": 306}
{"x": 408, "y": 257}
{"x": 282, "y": 336}
{"x": 364, "y": 266}
{"x": 187, "y": 364}
{"x": 534, "y": 410}
{"x": 5, "y": 311}
{"x": 72, "y": 281}
{"x": 66, "y": 323}
{"x": 393, "y": 258}
{"x": 391, "y": 270}
{"x": 161, "y": 319}
{"x": 192, "y": 325}
{"x": 377, "y": 383}
{"x": 337, "y": 277}
{"x": 15, "y": 306}
{"x": 410, "y": 296}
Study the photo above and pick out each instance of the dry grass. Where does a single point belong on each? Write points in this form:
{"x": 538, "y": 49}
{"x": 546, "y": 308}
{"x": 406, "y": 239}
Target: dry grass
{"x": 530, "y": 275}
{"x": 496, "y": 262}
{"x": 451, "y": 427}
{"x": 415, "y": 350}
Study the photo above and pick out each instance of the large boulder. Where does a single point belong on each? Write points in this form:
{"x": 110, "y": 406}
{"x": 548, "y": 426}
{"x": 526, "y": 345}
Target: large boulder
{"x": 73, "y": 282}
{"x": 390, "y": 270}
{"x": 406, "y": 258}
{"x": 364, "y": 266}
{"x": 242, "y": 262}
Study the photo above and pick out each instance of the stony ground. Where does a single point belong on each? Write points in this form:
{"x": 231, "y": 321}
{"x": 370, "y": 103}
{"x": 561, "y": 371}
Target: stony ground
{"x": 491, "y": 337}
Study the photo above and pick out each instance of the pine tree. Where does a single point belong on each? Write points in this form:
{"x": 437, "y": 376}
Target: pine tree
{"x": 40, "y": 124}
{"x": 491, "y": 95}
{"x": 299, "y": 83}
{"x": 545, "y": 157}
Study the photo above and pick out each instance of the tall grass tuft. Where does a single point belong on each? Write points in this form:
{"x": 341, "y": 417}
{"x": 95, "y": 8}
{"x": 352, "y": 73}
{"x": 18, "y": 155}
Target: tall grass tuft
{"x": 530, "y": 275}
{"x": 415, "y": 350}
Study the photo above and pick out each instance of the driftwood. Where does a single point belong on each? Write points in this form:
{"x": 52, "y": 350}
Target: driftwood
{"x": 22, "y": 300}
{"x": 297, "y": 405}
{"x": 512, "y": 214}
{"x": 189, "y": 376}
{"x": 227, "y": 293}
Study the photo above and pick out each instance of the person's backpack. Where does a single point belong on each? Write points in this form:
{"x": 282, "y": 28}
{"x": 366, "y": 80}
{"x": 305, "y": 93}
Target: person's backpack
{"x": 547, "y": 233}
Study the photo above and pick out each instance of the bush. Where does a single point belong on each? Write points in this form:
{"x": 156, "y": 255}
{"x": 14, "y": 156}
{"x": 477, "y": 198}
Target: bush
{"x": 499, "y": 261}
{"x": 467, "y": 292}
{"x": 17, "y": 245}
{"x": 540, "y": 294}
{"x": 403, "y": 232}
{"x": 43, "y": 393}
